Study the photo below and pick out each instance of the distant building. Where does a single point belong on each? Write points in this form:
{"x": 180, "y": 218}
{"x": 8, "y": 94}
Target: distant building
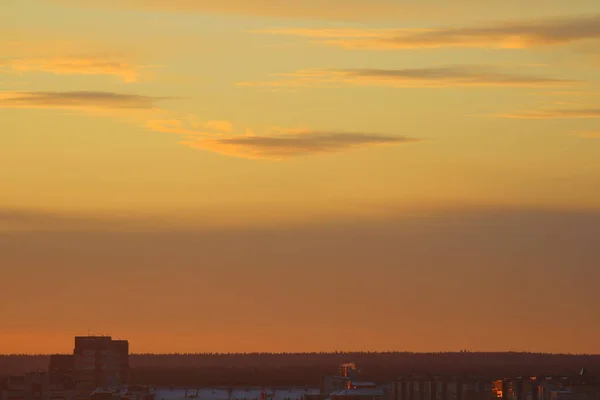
{"x": 31, "y": 386}
{"x": 61, "y": 364}
{"x": 61, "y": 387}
{"x": 99, "y": 361}
{"x": 362, "y": 385}
{"x": 348, "y": 370}
{"x": 437, "y": 388}
{"x": 550, "y": 387}
{"x": 582, "y": 387}
{"x": 344, "y": 386}
{"x": 331, "y": 383}
{"x": 357, "y": 394}
{"x": 13, "y": 388}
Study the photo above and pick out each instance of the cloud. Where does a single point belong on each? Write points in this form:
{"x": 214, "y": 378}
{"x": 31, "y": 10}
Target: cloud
{"x": 74, "y": 66}
{"x": 179, "y": 127}
{"x": 315, "y": 9}
{"x": 170, "y": 126}
{"x": 555, "y": 114}
{"x": 587, "y": 134}
{"x": 334, "y": 33}
{"x": 77, "y": 100}
{"x": 507, "y": 35}
{"x": 212, "y": 135}
{"x": 278, "y": 145}
{"x": 292, "y": 144}
{"x": 450, "y": 76}
{"x": 222, "y": 126}
{"x": 412, "y": 77}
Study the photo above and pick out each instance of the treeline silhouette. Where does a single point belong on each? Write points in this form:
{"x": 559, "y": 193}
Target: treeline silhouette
{"x": 285, "y": 369}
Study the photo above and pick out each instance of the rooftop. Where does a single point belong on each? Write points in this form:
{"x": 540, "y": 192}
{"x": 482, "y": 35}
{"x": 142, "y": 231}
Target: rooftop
{"x": 358, "y": 392}
{"x": 251, "y": 393}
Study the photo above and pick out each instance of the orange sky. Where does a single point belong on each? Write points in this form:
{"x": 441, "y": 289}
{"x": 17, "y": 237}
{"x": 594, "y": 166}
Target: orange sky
{"x": 274, "y": 175}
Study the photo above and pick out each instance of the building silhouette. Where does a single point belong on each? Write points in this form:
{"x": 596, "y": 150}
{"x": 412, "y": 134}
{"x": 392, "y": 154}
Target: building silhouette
{"x": 96, "y": 362}
{"x": 99, "y": 361}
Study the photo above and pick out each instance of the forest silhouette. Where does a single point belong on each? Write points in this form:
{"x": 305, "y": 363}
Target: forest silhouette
{"x": 300, "y": 369}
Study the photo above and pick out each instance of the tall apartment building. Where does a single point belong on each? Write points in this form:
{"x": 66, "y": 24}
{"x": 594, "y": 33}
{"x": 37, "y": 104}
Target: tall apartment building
{"x": 61, "y": 365}
{"x": 99, "y": 361}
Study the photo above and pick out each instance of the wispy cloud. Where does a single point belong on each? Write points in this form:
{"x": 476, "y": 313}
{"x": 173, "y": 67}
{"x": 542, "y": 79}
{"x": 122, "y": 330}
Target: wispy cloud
{"x": 74, "y": 66}
{"x": 587, "y": 134}
{"x": 171, "y": 126}
{"x": 278, "y": 145}
{"x": 338, "y": 33}
{"x": 292, "y": 144}
{"x": 315, "y": 9}
{"x": 192, "y": 125}
{"x": 508, "y": 35}
{"x": 77, "y": 100}
{"x": 221, "y": 126}
{"x": 572, "y": 113}
{"x": 210, "y": 135}
{"x": 413, "y": 77}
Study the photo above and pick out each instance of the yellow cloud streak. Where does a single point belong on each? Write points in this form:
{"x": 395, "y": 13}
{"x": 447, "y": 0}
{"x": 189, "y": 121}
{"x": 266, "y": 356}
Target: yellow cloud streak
{"x": 177, "y": 126}
{"x": 221, "y": 126}
{"x": 441, "y": 77}
{"x": 129, "y": 108}
{"x": 77, "y": 100}
{"x": 587, "y": 134}
{"x": 507, "y": 35}
{"x": 555, "y": 114}
{"x": 330, "y": 9}
{"x": 333, "y": 33}
{"x": 75, "y": 66}
{"x": 278, "y": 145}
{"x": 171, "y": 126}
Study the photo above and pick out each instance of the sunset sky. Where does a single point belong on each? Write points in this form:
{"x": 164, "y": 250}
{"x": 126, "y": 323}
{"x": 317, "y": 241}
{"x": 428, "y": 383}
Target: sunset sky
{"x": 299, "y": 175}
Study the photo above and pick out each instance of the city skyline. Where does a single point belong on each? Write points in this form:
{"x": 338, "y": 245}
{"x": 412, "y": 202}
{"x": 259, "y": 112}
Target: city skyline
{"x": 283, "y": 176}
{"x": 100, "y": 369}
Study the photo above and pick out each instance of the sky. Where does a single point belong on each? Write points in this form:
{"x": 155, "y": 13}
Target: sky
{"x": 272, "y": 175}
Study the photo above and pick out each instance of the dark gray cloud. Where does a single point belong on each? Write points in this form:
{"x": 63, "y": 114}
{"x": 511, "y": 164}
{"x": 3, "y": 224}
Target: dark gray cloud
{"x": 293, "y": 144}
{"x": 77, "y": 100}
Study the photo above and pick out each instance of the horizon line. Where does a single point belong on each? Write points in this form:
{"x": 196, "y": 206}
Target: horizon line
{"x": 480, "y": 352}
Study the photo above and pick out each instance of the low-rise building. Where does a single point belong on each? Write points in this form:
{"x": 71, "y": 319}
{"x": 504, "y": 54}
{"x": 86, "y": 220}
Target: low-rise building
{"x": 357, "y": 394}
{"x": 31, "y": 386}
